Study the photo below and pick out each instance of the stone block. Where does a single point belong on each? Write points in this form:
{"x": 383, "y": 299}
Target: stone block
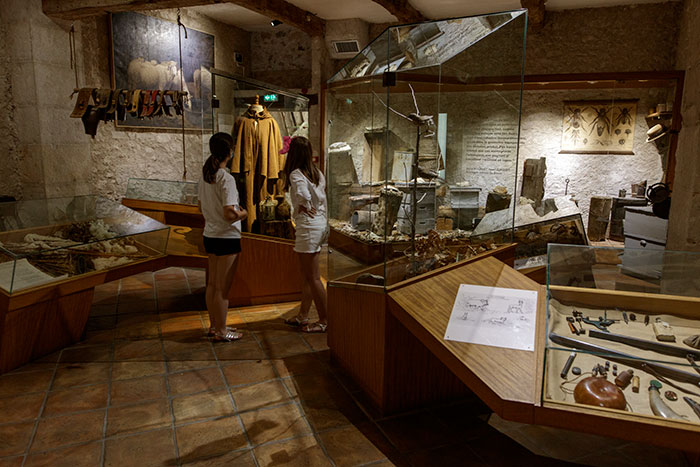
{"x": 23, "y": 87}
{"x": 599, "y": 217}
{"x": 58, "y": 128}
{"x": 30, "y": 171}
{"x": 27, "y": 121}
{"x": 18, "y": 40}
{"x": 534, "y": 172}
{"x": 49, "y": 42}
{"x": 67, "y": 169}
{"x": 54, "y": 85}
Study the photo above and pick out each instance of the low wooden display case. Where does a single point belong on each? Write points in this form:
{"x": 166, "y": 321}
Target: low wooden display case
{"x": 268, "y": 268}
{"x": 52, "y": 255}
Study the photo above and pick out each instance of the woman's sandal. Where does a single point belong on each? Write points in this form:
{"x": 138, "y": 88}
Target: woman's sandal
{"x": 315, "y": 327}
{"x": 297, "y": 321}
{"x": 212, "y": 331}
{"x": 228, "y": 336}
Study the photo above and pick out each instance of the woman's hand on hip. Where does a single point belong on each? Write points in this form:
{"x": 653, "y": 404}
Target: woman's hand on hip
{"x": 309, "y": 212}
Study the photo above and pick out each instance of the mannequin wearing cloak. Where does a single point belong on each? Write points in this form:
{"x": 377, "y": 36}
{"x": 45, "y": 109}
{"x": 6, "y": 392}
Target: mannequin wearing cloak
{"x": 256, "y": 157}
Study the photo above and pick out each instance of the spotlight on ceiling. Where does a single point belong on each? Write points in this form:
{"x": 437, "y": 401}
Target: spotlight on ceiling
{"x": 275, "y": 22}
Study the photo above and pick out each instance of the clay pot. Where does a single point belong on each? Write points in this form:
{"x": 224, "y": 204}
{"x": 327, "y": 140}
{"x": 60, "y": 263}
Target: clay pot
{"x": 599, "y": 392}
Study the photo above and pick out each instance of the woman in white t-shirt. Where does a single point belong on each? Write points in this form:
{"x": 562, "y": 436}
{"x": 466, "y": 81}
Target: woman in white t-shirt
{"x": 307, "y": 189}
{"x": 218, "y": 201}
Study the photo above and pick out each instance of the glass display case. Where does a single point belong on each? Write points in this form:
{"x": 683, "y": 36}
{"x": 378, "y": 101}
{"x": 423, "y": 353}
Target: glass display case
{"x": 279, "y": 115}
{"x": 421, "y": 144}
{"x": 48, "y": 240}
{"x": 621, "y": 338}
{"x": 164, "y": 191}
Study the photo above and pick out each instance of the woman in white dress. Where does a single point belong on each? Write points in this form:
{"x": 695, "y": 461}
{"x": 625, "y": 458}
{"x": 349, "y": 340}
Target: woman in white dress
{"x": 307, "y": 189}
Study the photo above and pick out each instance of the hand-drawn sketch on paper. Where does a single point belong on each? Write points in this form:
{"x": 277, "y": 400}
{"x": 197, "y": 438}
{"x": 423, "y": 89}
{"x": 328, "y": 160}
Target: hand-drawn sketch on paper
{"x": 494, "y": 316}
{"x": 598, "y": 127}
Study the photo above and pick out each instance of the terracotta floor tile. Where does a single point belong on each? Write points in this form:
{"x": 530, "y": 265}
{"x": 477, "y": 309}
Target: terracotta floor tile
{"x": 178, "y": 366}
{"x": 138, "y": 331}
{"x": 155, "y": 448}
{"x": 86, "y": 455}
{"x": 317, "y": 341}
{"x": 243, "y": 349}
{"x": 285, "y": 346}
{"x": 103, "y": 310}
{"x": 180, "y": 316}
{"x": 68, "y": 429}
{"x": 237, "y": 458}
{"x": 22, "y": 383}
{"x": 76, "y": 399}
{"x": 465, "y": 420}
{"x": 78, "y": 374}
{"x": 348, "y": 446}
{"x": 138, "y": 350}
{"x": 417, "y": 431}
{"x": 105, "y": 336}
{"x": 202, "y": 406}
{"x": 101, "y": 323}
{"x": 449, "y": 455}
{"x": 138, "y": 390}
{"x": 12, "y": 461}
{"x": 277, "y": 423}
{"x": 307, "y": 363}
{"x": 131, "y": 296}
{"x": 128, "y": 370}
{"x": 249, "y": 371}
{"x": 14, "y": 438}
{"x": 498, "y": 449}
{"x": 139, "y": 417}
{"x": 186, "y": 347}
{"x": 316, "y": 385}
{"x": 169, "y": 327}
{"x": 302, "y": 452}
{"x": 105, "y": 297}
{"x": 210, "y": 439}
{"x": 259, "y": 395}
{"x": 646, "y": 454}
{"x": 18, "y": 408}
{"x": 138, "y": 307}
{"x": 87, "y": 354}
{"x": 195, "y": 381}
{"x": 332, "y": 412}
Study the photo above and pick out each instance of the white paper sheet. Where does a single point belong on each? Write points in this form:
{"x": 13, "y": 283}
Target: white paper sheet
{"x": 494, "y": 316}
{"x": 25, "y": 276}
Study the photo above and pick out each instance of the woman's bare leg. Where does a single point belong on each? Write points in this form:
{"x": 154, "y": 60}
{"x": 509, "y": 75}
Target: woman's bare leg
{"x": 221, "y": 272}
{"x": 311, "y": 274}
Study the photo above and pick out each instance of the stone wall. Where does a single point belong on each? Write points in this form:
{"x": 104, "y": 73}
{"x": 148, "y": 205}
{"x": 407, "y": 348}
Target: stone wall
{"x": 589, "y": 40}
{"x": 49, "y": 153}
{"x": 684, "y": 222}
{"x": 117, "y": 155}
{"x": 9, "y": 143}
{"x": 282, "y": 56}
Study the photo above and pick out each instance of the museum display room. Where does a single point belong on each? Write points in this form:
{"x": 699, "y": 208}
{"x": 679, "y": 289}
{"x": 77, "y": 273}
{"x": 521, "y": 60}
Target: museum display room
{"x": 511, "y": 260}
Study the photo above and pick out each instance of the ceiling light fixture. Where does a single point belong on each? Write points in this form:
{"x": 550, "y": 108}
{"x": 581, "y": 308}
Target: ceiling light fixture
{"x": 275, "y": 22}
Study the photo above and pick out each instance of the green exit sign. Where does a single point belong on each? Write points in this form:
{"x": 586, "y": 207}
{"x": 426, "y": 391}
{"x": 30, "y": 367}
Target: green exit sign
{"x": 270, "y": 98}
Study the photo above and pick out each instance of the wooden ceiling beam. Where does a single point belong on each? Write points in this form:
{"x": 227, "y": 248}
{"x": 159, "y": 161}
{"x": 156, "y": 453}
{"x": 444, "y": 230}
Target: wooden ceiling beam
{"x": 403, "y": 10}
{"x": 535, "y": 12}
{"x": 275, "y": 9}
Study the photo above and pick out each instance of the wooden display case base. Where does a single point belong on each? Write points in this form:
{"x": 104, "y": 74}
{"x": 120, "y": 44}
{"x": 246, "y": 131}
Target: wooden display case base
{"x": 394, "y": 368}
{"x": 41, "y": 320}
{"x": 268, "y": 269}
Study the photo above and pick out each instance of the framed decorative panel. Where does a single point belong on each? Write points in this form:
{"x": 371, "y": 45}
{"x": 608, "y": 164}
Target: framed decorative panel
{"x": 598, "y": 127}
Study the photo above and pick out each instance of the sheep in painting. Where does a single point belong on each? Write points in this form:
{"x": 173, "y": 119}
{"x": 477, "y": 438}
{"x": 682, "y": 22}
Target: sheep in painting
{"x": 144, "y": 74}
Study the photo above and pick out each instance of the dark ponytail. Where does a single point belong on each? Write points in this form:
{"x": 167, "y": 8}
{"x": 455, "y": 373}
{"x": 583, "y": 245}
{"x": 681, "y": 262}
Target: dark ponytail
{"x": 220, "y": 147}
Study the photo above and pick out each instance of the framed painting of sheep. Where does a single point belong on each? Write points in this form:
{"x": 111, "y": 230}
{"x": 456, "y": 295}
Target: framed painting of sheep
{"x": 146, "y": 56}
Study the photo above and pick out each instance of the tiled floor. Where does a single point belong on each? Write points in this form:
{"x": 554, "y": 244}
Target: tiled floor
{"x": 146, "y": 388}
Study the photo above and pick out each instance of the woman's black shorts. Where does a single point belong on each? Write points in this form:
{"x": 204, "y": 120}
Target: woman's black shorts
{"x": 222, "y": 246}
